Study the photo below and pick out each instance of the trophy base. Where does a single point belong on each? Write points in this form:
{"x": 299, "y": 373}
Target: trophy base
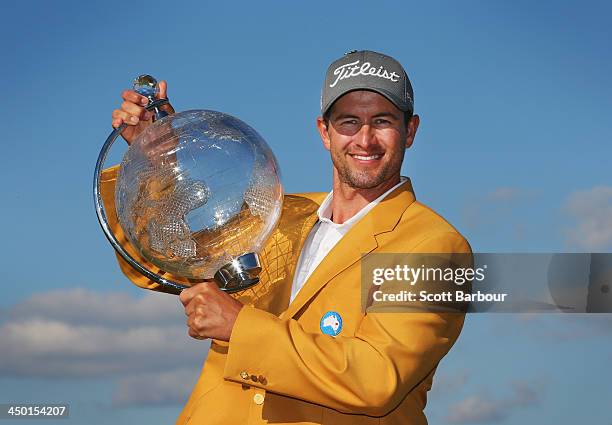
{"x": 241, "y": 273}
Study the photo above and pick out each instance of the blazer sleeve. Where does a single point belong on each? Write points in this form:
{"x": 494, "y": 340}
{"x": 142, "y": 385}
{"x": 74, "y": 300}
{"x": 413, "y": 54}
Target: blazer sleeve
{"x": 369, "y": 373}
{"x": 108, "y": 180}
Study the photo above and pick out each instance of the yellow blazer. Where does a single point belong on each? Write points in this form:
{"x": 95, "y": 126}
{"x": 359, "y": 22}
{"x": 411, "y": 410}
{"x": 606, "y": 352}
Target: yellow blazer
{"x": 279, "y": 368}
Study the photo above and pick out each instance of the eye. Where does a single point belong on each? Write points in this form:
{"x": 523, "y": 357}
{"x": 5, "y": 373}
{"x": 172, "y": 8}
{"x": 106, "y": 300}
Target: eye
{"x": 382, "y": 123}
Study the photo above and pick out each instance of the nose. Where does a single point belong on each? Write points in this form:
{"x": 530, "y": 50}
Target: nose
{"x": 365, "y": 137}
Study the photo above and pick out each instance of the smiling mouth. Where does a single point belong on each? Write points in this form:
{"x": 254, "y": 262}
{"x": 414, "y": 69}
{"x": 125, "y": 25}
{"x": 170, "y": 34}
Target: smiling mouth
{"x": 373, "y": 157}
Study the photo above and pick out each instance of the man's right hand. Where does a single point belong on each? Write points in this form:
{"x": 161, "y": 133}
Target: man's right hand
{"x": 134, "y": 114}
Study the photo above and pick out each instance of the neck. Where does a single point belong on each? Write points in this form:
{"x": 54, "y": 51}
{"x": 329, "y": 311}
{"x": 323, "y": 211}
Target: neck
{"x": 348, "y": 201}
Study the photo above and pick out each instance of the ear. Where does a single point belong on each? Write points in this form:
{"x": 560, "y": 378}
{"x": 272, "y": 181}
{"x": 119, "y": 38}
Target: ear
{"x": 411, "y": 130}
{"x": 323, "y": 132}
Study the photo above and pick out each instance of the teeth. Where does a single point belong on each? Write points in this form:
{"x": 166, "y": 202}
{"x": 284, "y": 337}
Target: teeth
{"x": 366, "y": 158}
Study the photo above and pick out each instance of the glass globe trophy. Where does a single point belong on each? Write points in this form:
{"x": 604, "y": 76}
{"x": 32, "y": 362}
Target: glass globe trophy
{"x": 197, "y": 194}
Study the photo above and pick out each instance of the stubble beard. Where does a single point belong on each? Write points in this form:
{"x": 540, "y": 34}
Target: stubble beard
{"x": 359, "y": 179}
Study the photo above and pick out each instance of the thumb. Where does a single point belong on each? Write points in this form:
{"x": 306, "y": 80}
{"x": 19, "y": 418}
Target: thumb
{"x": 163, "y": 89}
{"x": 163, "y": 94}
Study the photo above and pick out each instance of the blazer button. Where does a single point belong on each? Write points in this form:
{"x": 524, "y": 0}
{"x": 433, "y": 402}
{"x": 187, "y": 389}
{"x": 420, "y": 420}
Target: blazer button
{"x": 244, "y": 375}
{"x": 258, "y": 398}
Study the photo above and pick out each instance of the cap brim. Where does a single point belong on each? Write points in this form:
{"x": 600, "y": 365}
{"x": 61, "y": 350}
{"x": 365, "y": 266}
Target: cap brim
{"x": 390, "y": 98}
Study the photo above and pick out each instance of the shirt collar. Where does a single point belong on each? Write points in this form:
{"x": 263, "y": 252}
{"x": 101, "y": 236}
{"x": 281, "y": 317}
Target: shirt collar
{"x": 325, "y": 210}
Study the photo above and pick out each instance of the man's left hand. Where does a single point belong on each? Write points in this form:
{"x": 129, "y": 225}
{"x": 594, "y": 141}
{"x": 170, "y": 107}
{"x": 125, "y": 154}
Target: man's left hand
{"x": 211, "y": 313}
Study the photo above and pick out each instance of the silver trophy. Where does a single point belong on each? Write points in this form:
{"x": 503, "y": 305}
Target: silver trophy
{"x": 198, "y": 193}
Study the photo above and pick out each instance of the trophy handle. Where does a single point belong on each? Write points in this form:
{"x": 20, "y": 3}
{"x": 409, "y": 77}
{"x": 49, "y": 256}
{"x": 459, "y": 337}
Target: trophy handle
{"x": 101, "y": 212}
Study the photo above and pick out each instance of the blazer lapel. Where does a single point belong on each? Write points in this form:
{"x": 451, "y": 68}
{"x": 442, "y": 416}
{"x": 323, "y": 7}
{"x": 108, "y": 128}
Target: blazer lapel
{"x": 359, "y": 241}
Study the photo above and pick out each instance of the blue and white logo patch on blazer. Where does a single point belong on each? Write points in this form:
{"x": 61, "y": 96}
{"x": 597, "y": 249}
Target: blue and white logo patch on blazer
{"x": 331, "y": 323}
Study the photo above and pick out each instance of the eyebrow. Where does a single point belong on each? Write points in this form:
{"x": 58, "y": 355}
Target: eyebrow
{"x": 386, "y": 114}
{"x": 379, "y": 115}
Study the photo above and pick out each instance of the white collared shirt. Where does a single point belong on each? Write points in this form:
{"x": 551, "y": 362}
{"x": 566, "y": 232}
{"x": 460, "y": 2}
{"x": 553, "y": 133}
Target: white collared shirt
{"x": 324, "y": 235}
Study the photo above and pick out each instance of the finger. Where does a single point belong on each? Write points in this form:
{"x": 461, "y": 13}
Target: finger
{"x": 196, "y": 291}
{"x": 124, "y": 117}
{"x": 187, "y": 295}
{"x": 163, "y": 90}
{"x": 196, "y": 325}
{"x": 208, "y": 289}
{"x": 190, "y": 308}
{"x": 163, "y": 94}
{"x": 195, "y": 312}
{"x": 132, "y": 96}
{"x": 195, "y": 334}
{"x": 200, "y": 311}
{"x": 133, "y": 109}
{"x": 212, "y": 286}
{"x": 203, "y": 287}
{"x": 117, "y": 120}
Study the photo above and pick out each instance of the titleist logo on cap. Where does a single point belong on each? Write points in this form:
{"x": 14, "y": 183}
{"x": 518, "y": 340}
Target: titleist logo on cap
{"x": 353, "y": 69}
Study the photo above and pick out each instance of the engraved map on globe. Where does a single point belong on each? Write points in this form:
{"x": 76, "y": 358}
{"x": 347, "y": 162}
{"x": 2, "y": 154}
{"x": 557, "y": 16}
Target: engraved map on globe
{"x": 197, "y": 189}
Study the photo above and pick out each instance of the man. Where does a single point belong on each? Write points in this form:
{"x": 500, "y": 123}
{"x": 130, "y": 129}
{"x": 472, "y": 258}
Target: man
{"x": 298, "y": 347}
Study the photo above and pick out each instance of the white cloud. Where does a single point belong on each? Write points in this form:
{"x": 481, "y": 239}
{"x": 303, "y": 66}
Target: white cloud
{"x": 526, "y": 394}
{"x": 498, "y": 211}
{"x": 506, "y": 194}
{"x": 477, "y": 410}
{"x": 562, "y": 328}
{"x": 79, "y": 305}
{"x": 165, "y": 388}
{"x": 445, "y": 384}
{"x": 79, "y": 333}
{"x": 592, "y": 211}
{"x": 484, "y": 409}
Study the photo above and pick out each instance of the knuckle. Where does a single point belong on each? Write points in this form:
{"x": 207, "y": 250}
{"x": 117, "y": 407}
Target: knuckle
{"x": 209, "y": 287}
{"x": 199, "y": 322}
{"x": 123, "y": 116}
{"x": 126, "y": 105}
{"x": 185, "y": 296}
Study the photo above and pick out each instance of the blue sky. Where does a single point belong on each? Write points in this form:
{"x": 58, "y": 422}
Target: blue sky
{"x": 513, "y": 149}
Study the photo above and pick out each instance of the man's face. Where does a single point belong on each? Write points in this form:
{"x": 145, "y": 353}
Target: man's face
{"x": 366, "y": 137}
